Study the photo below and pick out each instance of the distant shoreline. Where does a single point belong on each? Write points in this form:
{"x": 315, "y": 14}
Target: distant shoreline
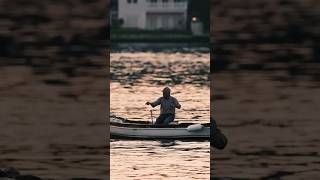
{"x": 159, "y": 39}
{"x": 144, "y": 36}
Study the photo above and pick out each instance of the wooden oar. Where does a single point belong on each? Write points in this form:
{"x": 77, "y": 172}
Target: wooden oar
{"x": 151, "y": 116}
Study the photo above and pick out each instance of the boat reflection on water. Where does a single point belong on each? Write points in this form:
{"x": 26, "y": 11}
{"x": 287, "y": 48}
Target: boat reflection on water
{"x": 167, "y": 142}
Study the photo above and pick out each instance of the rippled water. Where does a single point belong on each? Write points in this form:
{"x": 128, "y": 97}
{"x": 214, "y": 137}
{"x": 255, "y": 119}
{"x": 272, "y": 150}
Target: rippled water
{"x": 272, "y": 126}
{"x": 159, "y": 160}
{"x": 52, "y": 131}
{"x": 138, "y": 77}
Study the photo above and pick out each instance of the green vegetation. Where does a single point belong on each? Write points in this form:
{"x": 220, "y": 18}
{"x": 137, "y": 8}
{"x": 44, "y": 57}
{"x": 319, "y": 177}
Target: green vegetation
{"x": 142, "y": 31}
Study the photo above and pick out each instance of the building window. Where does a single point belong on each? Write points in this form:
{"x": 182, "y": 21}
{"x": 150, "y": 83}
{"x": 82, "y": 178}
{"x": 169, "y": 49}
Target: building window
{"x": 165, "y": 3}
{"x": 132, "y": 1}
{"x": 179, "y": 3}
{"x": 152, "y": 3}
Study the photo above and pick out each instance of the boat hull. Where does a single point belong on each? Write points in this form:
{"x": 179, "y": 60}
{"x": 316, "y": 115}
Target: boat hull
{"x": 158, "y": 133}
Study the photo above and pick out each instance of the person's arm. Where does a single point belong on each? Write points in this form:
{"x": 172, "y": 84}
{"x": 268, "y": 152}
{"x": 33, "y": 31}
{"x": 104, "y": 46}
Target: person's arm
{"x": 155, "y": 103}
{"x": 177, "y": 104}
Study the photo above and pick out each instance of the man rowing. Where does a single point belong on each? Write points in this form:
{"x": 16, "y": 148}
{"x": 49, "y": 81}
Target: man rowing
{"x": 168, "y": 105}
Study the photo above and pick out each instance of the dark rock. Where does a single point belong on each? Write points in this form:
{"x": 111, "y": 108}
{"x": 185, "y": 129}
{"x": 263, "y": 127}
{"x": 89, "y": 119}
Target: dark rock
{"x": 28, "y": 177}
{"x": 218, "y": 139}
{"x": 2, "y": 174}
{"x": 7, "y": 42}
{"x": 11, "y": 172}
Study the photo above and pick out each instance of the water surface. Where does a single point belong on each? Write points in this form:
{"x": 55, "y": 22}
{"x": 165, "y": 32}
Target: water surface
{"x": 138, "y": 77}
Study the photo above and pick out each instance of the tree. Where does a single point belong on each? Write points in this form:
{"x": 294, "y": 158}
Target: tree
{"x": 201, "y": 10}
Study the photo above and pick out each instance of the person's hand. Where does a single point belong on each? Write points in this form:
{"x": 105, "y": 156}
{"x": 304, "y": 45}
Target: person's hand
{"x": 147, "y": 103}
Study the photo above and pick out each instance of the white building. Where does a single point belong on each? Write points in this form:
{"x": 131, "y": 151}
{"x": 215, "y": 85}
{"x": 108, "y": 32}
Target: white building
{"x": 153, "y": 14}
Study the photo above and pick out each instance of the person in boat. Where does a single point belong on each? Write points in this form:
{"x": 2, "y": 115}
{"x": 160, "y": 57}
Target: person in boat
{"x": 168, "y": 105}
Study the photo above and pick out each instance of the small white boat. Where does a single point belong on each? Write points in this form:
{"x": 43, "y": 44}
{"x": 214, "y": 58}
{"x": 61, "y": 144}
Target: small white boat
{"x": 128, "y": 129}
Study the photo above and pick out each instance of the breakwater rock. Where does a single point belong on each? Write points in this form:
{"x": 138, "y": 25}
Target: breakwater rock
{"x": 13, "y": 174}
